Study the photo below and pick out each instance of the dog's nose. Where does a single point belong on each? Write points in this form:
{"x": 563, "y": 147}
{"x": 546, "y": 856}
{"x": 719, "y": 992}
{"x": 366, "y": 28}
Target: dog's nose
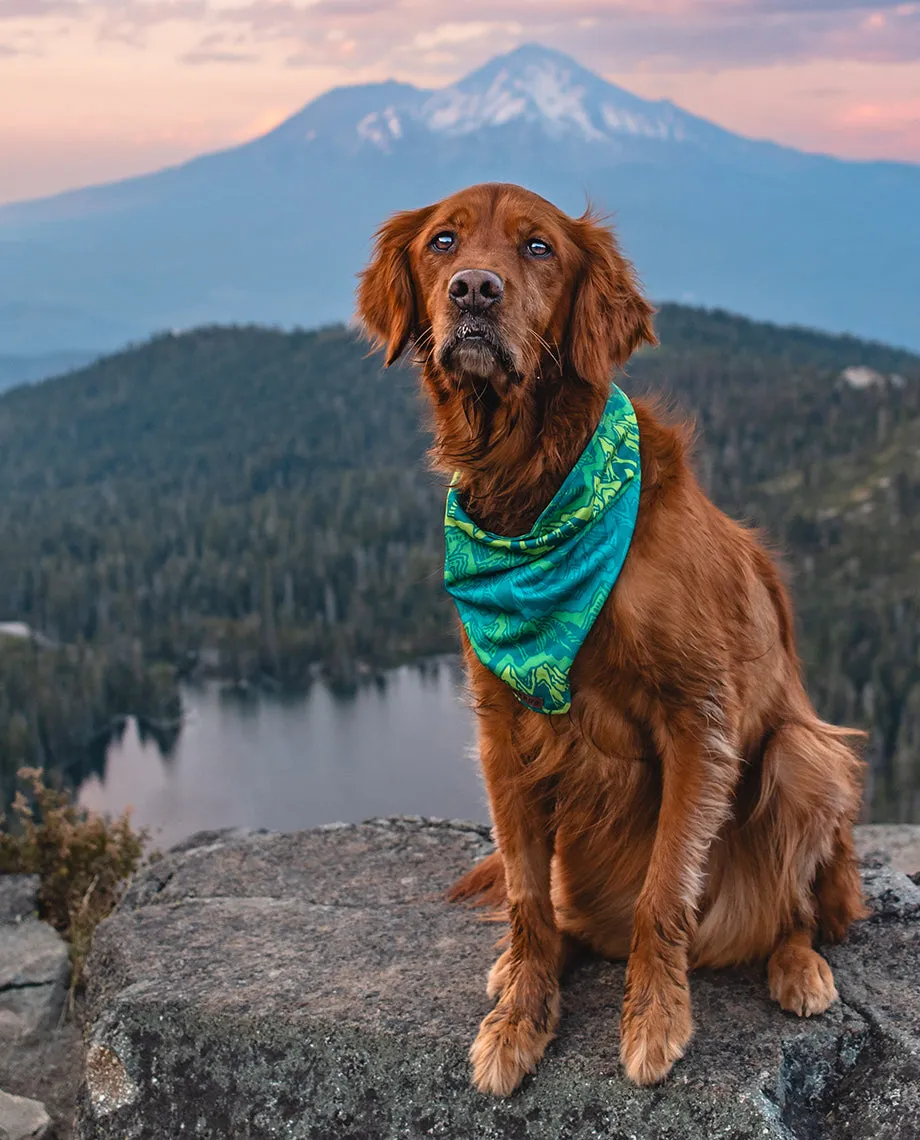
{"x": 475, "y": 289}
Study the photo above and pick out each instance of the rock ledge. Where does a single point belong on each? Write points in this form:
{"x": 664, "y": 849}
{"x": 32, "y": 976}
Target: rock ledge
{"x": 34, "y": 962}
{"x": 316, "y": 986}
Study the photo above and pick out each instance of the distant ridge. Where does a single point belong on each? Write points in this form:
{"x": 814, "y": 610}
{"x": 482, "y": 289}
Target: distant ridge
{"x": 274, "y": 230}
{"x": 220, "y": 490}
{"x": 28, "y": 369}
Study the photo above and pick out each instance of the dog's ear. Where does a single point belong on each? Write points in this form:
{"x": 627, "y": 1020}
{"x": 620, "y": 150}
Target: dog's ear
{"x": 610, "y": 317}
{"x": 387, "y": 302}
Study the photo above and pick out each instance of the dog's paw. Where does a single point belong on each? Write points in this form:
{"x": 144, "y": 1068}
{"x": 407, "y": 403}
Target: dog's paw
{"x": 655, "y": 1030}
{"x": 499, "y": 976}
{"x": 509, "y": 1045}
{"x": 800, "y": 980}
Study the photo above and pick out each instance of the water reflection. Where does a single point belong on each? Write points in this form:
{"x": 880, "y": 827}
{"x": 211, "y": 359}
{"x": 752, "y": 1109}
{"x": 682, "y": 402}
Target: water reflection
{"x": 400, "y": 744}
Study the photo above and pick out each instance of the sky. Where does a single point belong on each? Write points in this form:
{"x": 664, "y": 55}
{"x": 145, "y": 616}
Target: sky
{"x": 92, "y": 90}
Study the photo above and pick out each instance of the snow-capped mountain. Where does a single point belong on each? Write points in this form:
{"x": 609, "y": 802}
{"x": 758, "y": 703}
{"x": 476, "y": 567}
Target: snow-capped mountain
{"x": 274, "y": 230}
{"x": 532, "y": 87}
{"x": 547, "y": 89}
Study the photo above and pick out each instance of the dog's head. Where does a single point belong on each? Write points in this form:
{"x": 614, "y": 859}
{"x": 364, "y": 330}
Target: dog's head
{"x": 496, "y": 287}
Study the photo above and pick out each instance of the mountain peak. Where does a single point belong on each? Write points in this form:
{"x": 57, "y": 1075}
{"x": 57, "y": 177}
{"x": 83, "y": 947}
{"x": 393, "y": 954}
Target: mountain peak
{"x": 531, "y": 55}
{"x": 540, "y": 85}
{"x": 274, "y": 229}
{"x": 532, "y": 86}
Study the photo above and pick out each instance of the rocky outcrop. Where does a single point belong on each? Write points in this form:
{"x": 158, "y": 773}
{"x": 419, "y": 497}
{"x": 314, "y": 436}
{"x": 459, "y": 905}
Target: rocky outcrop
{"x": 34, "y": 972}
{"x": 18, "y": 897}
{"x": 895, "y": 844}
{"x": 34, "y": 963}
{"x": 316, "y": 986}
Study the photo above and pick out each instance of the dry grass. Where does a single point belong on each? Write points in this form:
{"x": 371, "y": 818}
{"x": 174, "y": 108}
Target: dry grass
{"x": 83, "y": 860}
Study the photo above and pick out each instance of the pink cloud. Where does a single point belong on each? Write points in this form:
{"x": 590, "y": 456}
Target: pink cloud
{"x": 627, "y": 33}
{"x": 217, "y": 56}
{"x": 890, "y": 117}
{"x": 832, "y": 75}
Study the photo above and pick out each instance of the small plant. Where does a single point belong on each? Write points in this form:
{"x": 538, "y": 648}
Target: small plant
{"x": 83, "y": 860}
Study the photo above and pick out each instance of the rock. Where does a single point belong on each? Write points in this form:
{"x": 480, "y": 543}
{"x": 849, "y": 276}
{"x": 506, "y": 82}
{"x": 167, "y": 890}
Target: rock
{"x": 18, "y": 897}
{"x": 34, "y": 973}
{"x": 32, "y": 953}
{"x": 21, "y": 1118}
{"x": 35, "y": 1055}
{"x": 895, "y": 844}
{"x": 891, "y": 894}
{"x": 317, "y": 986}
{"x": 47, "y": 1066}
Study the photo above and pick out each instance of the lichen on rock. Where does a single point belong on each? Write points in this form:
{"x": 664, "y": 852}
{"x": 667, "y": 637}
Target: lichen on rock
{"x": 316, "y": 985}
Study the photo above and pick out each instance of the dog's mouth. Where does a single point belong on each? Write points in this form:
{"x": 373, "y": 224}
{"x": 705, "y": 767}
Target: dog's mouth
{"x": 475, "y": 348}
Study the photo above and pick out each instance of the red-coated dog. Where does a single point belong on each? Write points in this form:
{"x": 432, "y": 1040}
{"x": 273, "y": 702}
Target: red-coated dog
{"x": 691, "y": 810}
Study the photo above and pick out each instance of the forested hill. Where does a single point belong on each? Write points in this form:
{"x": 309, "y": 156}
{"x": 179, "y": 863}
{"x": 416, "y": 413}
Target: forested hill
{"x": 260, "y": 497}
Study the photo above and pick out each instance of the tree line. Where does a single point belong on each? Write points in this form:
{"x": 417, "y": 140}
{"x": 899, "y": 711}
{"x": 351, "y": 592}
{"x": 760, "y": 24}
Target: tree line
{"x": 256, "y": 504}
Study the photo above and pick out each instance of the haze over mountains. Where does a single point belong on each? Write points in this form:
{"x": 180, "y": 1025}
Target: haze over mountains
{"x": 273, "y": 231}
{"x": 28, "y": 369}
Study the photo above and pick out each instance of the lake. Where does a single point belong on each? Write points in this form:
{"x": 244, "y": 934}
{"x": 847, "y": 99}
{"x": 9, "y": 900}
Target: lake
{"x": 401, "y": 746}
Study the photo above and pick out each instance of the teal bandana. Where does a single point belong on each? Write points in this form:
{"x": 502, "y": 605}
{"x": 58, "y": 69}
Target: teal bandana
{"x": 528, "y": 603}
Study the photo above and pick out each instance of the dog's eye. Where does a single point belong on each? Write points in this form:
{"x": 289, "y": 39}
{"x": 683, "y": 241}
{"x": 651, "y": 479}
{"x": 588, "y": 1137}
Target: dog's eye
{"x": 443, "y": 242}
{"x": 537, "y": 247}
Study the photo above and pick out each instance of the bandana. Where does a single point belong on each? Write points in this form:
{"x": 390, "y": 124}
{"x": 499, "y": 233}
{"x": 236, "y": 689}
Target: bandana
{"x": 528, "y": 603}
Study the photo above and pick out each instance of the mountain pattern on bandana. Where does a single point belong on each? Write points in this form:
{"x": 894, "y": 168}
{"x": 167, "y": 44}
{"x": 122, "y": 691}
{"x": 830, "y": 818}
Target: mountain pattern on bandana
{"x": 528, "y": 603}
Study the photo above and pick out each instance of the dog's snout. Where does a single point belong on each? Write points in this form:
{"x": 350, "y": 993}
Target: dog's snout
{"x": 475, "y": 289}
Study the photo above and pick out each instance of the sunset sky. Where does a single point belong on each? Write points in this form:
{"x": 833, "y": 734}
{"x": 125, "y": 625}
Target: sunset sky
{"x": 97, "y": 89}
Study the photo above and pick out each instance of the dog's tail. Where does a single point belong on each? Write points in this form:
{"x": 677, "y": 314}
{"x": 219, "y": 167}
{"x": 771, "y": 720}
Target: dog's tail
{"x": 483, "y": 885}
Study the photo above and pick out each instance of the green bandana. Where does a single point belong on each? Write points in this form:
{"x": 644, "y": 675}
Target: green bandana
{"x": 528, "y": 603}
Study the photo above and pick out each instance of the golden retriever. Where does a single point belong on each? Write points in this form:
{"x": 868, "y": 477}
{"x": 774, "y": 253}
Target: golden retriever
{"x": 691, "y": 809}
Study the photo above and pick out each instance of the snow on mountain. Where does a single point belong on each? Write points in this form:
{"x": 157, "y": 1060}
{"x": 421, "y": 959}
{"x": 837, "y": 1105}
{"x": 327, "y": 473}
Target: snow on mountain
{"x": 380, "y": 127}
{"x": 540, "y": 86}
{"x": 531, "y": 86}
{"x": 535, "y": 88}
{"x": 275, "y": 230}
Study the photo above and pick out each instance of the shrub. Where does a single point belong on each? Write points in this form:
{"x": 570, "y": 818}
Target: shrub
{"x": 83, "y": 860}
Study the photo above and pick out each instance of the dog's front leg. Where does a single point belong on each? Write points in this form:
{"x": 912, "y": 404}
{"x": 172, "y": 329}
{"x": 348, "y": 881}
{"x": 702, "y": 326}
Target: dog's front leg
{"x": 514, "y": 1035}
{"x": 699, "y": 774}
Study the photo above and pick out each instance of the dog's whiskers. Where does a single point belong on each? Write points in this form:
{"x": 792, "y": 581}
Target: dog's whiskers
{"x": 555, "y": 356}
{"x": 424, "y": 347}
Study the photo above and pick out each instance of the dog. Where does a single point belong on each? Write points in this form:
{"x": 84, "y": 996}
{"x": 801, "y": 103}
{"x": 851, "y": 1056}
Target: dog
{"x": 690, "y": 808}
